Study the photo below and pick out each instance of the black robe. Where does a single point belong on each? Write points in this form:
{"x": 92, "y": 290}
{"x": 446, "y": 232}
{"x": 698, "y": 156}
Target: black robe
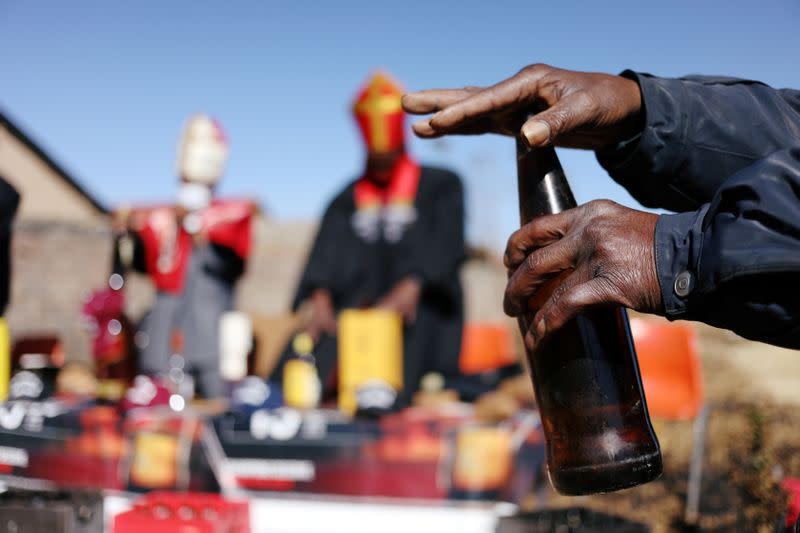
{"x": 9, "y": 201}
{"x": 358, "y": 273}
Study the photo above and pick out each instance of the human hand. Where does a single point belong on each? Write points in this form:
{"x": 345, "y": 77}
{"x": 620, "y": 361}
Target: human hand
{"x": 581, "y": 109}
{"x": 403, "y": 299}
{"x": 322, "y": 318}
{"x": 599, "y": 253}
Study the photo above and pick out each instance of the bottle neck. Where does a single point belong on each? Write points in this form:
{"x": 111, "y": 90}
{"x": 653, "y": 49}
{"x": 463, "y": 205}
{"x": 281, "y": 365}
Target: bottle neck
{"x": 543, "y": 187}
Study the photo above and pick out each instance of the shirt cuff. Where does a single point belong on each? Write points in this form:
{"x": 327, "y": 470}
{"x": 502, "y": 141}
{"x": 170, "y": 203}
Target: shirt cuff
{"x": 678, "y": 243}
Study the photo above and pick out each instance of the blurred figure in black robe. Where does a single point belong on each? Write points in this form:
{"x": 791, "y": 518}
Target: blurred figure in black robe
{"x": 392, "y": 239}
{"x": 9, "y": 201}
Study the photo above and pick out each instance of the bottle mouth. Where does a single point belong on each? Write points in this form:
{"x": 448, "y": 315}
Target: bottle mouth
{"x": 522, "y": 146}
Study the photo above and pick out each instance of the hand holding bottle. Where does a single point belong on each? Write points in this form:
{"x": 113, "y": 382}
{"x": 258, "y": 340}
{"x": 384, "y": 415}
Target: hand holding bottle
{"x": 601, "y": 253}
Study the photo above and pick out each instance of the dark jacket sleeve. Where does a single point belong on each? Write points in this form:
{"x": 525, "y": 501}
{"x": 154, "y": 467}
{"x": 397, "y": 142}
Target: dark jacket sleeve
{"x": 437, "y": 257}
{"x": 726, "y": 154}
{"x": 735, "y": 262}
{"x": 698, "y": 132}
{"x": 320, "y": 265}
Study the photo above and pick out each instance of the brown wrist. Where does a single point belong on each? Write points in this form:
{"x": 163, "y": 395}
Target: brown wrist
{"x": 652, "y": 301}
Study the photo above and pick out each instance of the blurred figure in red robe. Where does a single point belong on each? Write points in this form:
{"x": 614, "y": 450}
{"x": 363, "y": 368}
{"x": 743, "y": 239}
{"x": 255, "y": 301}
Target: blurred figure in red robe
{"x": 194, "y": 252}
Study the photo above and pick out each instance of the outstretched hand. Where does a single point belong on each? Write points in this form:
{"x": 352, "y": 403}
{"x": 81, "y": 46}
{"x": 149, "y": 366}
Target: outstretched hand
{"x": 581, "y": 109}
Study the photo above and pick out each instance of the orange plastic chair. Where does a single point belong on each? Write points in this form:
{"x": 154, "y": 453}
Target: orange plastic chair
{"x": 486, "y": 346}
{"x": 670, "y": 368}
{"x": 673, "y": 386}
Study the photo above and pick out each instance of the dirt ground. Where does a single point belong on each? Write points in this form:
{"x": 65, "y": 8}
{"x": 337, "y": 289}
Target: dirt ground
{"x": 752, "y": 441}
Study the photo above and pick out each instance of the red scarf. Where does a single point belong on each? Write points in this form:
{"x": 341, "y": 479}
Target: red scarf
{"x": 167, "y": 246}
{"x": 402, "y": 187}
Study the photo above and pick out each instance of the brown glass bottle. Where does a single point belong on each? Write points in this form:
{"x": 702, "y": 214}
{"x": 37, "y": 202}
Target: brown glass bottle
{"x": 585, "y": 375}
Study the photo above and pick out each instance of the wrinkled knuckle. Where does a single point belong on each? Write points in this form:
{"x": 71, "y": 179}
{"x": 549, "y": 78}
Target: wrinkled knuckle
{"x": 533, "y": 69}
{"x": 557, "y": 118}
{"x": 573, "y": 243}
{"x": 605, "y": 290}
{"x": 557, "y": 296}
{"x": 602, "y": 253}
{"x": 554, "y": 315}
{"x": 508, "y": 261}
{"x": 536, "y": 227}
{"x": 585, "y": 100}
{"x": 512, "y": 256}
{"x": 572, "y": 303}
{"x": 593, "y": 233}
{"x": 591, "y": 205}
{"x": 516, "y": 238}
{"x": 533, "y": 263}
{"x": 508, "y": 304}
{"x": 439, "y": 120}
{"x": 597, "y": 266}
{"x": 604, "y": 206}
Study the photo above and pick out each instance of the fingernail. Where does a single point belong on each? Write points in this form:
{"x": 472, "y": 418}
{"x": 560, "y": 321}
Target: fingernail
{"x": 530, "y": 341}
{"x": 536, "y": 133}
{"x": 422, "y": 125}
{"x": 541, "y": 328}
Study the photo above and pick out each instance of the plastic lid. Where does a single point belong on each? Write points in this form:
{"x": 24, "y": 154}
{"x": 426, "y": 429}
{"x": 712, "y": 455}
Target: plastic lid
{"x": 432, "y": 382}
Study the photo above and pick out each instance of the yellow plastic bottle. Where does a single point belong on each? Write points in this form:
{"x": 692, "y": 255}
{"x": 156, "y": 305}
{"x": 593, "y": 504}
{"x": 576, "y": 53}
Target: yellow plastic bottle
{"x": 301, "y": 385}
{"x": 5, "y": 360}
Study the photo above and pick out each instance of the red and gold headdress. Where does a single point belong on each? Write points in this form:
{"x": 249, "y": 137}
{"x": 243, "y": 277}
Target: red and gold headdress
{"x": 379, "y": 114}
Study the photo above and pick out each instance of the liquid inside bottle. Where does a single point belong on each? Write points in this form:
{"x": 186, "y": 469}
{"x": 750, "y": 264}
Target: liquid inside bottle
{"x": 588, "y": 388}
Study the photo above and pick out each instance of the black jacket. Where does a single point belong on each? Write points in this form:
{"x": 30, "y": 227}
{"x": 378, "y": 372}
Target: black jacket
{"x": 9, "y": 201}
{"x": 725, "y": 154}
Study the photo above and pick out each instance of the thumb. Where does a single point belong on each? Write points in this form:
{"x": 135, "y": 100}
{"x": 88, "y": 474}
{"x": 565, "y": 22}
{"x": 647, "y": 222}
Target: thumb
{"x": 544, "y": 128}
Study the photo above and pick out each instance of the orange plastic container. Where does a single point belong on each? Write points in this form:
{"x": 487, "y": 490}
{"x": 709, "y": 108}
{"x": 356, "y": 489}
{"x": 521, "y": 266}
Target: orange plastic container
{"x": 486, "y": 346}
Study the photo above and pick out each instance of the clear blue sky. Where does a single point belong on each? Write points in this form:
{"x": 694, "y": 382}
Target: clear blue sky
{"x": 105, "y": 86}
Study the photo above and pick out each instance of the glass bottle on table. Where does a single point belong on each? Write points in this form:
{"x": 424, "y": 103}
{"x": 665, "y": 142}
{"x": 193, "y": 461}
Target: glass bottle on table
{"x": 585, "y": 375}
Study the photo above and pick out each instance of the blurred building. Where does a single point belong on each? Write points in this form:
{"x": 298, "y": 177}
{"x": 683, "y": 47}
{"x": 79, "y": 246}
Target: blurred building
{"x": 61, "y": 242}
{"x": 48, "y": 191}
